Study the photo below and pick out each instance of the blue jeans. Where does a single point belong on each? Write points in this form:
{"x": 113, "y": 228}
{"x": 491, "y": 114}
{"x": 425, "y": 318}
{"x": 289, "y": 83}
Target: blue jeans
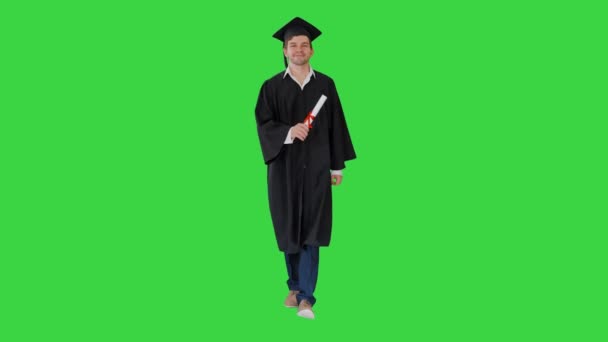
{"x": 302, "y": 269}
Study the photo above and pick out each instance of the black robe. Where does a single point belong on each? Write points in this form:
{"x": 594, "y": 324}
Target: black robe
{"x": 299, "y": 181}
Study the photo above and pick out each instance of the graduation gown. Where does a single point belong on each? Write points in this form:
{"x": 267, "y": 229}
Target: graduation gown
{"x": 299, "y": 180}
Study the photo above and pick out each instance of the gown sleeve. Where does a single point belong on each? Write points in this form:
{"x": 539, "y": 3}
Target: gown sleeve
{"x": 271, "y": 132}
{"x": 341, "y": 146}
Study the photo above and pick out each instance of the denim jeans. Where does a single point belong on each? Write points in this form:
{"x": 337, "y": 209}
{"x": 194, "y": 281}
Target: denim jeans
{"x": 302, "y": 269}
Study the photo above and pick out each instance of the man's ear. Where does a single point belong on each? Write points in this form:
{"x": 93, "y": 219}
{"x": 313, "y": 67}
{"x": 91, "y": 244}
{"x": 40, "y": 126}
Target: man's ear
{"x": 285, "y": 52}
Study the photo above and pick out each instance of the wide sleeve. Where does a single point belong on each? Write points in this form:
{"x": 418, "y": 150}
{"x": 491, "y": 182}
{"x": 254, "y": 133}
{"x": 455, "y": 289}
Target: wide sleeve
{"x": 341, "y": 146}
{"x": 271, "y": 132}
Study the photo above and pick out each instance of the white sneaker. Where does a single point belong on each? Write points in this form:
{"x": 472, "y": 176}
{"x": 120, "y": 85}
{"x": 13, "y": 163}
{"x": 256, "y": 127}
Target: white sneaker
{"x": 305, "y": 310}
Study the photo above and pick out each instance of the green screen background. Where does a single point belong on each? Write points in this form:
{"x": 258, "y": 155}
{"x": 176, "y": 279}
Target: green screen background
{"x": 133, "y": 188}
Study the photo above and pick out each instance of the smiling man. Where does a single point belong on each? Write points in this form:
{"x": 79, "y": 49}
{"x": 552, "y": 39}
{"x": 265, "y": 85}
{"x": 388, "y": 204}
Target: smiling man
{"x": 305, "y": 144}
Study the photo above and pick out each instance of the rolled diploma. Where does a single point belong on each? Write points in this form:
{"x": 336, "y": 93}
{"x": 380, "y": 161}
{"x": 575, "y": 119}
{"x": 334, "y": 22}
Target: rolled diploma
{"x": 312, "y": 115}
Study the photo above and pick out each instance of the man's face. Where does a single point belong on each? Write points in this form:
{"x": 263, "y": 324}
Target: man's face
{"x": 298, "y": 50}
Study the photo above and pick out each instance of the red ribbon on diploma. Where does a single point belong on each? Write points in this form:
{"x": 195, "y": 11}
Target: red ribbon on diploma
{"x": 309, "y": 119}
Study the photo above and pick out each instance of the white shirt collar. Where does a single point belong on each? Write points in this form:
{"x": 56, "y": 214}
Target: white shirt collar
{"x": 311, "y": 73}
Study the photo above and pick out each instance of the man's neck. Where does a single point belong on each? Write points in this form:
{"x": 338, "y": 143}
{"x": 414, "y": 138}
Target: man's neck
{"x": 299, "y": 71}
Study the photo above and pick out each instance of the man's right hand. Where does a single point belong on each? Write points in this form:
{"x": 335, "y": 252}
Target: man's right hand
{"x": 299, "y": 131}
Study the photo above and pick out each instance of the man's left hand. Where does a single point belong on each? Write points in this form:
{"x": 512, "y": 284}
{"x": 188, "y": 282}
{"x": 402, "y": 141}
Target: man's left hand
{"x": 336, "y": 179}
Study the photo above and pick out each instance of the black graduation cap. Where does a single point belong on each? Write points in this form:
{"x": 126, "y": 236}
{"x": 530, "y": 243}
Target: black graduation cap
{"x": 297, "y": 26}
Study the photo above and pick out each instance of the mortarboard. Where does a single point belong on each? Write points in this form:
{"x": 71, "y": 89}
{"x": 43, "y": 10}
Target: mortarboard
{"x": 297, "y": 26}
